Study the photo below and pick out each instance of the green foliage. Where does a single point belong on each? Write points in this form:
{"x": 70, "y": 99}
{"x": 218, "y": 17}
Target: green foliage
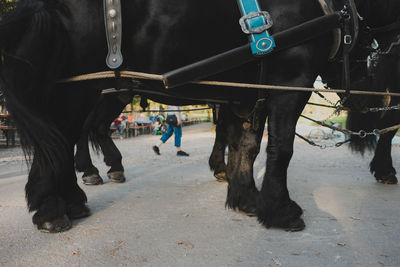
{"x": 6, "y": 5}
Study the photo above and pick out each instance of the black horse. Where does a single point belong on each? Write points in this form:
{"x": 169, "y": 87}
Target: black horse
{"x": 372, "y": 69}
{"x": 44, "y": 41}
{"x": 379, "y": 72}
{"x": 381, "y": 165}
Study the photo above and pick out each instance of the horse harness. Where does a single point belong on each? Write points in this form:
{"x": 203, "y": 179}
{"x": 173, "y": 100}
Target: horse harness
{"x": 113, "y": 25}
{"x": 256, "y": 24}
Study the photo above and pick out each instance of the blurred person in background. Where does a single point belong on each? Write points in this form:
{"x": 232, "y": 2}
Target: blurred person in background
{"x": 174, "y": 121}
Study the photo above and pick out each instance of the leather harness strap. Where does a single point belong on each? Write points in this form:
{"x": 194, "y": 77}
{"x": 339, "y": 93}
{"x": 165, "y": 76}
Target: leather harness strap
{"x": 113, "y": 25}
{"x": 256, "y": 23}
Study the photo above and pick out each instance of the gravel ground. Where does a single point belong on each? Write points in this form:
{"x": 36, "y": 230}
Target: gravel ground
{"x": 170, "y": 212}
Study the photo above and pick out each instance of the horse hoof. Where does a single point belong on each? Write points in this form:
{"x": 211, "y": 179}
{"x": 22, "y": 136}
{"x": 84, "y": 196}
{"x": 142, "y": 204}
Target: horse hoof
{"x": 388, "y": 179}
{"x": 116, "y": 177}
{"x": 295, "y": 226}
{"x": 55, "y": 226}
{"x": 221, "y": 177}
{"x": 93, "y": 179}
{"x": 77, "y": 211}
{"x": 247, "y": 213}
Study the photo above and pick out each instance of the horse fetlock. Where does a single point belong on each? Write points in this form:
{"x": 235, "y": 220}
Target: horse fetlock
{"x": 77, "y": 211}
{"x": 284, "y": 215}
{"x": 50, "y": 209}
{"x": 242, "y": 198}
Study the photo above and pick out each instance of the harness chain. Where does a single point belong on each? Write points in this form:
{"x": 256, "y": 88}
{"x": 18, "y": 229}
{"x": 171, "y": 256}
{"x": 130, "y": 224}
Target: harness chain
{"x": 361, "y": 133}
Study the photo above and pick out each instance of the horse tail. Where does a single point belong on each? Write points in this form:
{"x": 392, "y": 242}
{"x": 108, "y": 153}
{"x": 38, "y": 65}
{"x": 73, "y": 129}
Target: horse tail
{"x": 362, "y": 122}
{"x": 33, "y": 44}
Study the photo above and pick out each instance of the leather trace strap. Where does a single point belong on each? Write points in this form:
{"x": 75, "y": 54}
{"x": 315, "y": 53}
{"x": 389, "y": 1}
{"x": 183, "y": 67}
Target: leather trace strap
{"x": 256, "y": 23}
{"x": 113, "y": 24}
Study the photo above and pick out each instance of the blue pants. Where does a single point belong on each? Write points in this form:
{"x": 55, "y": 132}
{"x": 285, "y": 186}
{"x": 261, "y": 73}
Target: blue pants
{"x": 121, "y": 129}
{"x": 178, "y": 135}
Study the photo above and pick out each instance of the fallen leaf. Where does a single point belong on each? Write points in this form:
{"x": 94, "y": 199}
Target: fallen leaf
{"x": 381, "y": 263}
{"x": 77, "y": 252}
{"x": 295, "y": 254}
{"x": 384, "y": 224}
{"x": 189, "y": 245}
{"x": 238, "y": 260}
{"x": 341, "y": 244}
{"x": 186, "y": 215}
{"x": 355, "y": 218}
{"x": 318, "y": 254}
{"x": 277, "y": 262}
{"x": 384, "y": 255}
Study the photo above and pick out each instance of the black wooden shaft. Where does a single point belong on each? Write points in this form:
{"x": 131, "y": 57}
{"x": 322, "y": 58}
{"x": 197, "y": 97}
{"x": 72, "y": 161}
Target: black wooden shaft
{"x": 241, "y": 55}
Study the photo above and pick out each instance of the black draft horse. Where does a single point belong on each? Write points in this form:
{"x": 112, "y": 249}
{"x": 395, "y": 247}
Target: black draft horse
{"x": 374, "y": 70}
{"x": 44, "y": 41}
{"x": 384, "y": 69}
{"x": 378, "y": 73}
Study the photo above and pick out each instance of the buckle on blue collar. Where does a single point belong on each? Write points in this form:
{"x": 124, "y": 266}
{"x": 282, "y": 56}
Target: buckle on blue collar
{"x": 256, "y": 22}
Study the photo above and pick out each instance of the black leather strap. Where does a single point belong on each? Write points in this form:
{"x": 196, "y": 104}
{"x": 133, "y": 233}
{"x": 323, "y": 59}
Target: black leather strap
{"x": 113, "y": 24}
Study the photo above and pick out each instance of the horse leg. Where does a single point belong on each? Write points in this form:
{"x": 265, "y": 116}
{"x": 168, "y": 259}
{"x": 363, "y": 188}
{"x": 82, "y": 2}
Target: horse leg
{"x": 242, "y": 191}
{"x": 111, "y": 106}
{"x": 83, "y": 162}
{"x": 56, "y": 199}
{"x": 112, "y": 156}
{"x": 275, "y": 208}
{"x": 217, "y": 157}
{"x": 381, "y": 165}
{"x": 42, "y": 197}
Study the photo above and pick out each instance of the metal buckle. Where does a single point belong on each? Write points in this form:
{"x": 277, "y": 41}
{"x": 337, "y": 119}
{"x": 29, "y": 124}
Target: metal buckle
{"x": 268, "y": 20}
{"x": 347, "y": 39}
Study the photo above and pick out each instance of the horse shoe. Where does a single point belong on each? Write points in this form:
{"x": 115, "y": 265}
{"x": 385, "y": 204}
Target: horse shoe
{"x": 116, "y": 177}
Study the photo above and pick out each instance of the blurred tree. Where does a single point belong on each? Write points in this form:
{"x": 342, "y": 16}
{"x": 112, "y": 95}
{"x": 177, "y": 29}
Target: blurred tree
{"x": 6, "y": 5}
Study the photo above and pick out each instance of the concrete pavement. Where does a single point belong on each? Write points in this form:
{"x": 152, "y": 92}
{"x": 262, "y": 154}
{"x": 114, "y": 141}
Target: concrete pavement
{"x": 171, "y": 212}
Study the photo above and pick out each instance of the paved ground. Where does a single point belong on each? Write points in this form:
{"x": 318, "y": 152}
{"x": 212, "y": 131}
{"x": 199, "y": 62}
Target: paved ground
{"x": 170, "y": 212}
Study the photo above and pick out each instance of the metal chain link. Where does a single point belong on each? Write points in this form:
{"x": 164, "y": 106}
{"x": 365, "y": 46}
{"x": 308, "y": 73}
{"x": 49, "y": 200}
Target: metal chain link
{"x": 396, "y": 107}
{"x": 324, "y": 146}
{"x": 361, "y": 133}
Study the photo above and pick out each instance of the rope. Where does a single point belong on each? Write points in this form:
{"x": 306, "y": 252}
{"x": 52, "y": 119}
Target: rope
{"x": 111, "y": 74}
{"x": 147, "y": 76}
{"x": 292, "y": 88}
{"x": 175, "y": 110}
